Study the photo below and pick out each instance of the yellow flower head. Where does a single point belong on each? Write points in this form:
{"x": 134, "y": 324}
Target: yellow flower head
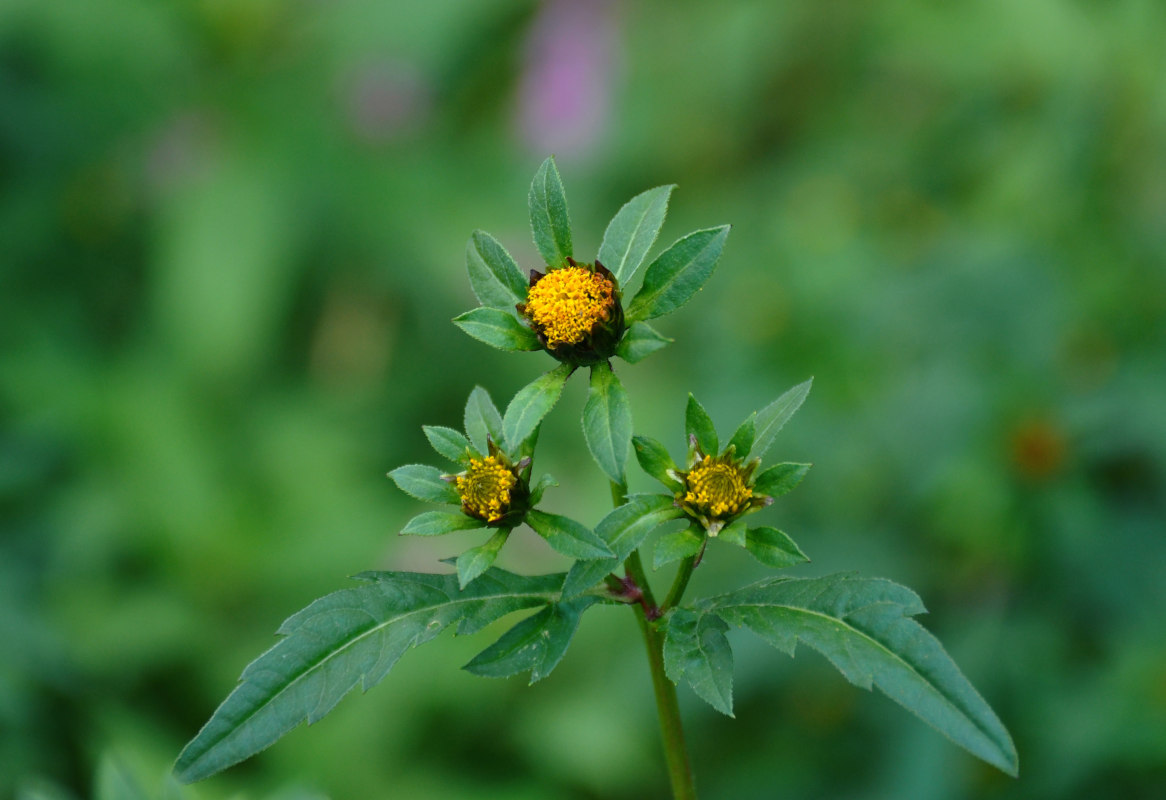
{"x": 485, "y": 488}
{"x": 565, "y": 305}
{"x": 716, "y": 489}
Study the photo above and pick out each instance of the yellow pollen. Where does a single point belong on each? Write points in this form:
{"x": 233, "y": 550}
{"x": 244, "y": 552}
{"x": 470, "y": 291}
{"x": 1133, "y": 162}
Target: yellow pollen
{"x": 716, "y": 489}
{"x": 485, "y": 488}
{"x": 565, "y": 304}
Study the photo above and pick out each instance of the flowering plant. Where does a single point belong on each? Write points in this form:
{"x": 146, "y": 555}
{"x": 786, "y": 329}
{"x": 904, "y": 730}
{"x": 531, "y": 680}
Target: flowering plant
{"x": 576, "y": 313}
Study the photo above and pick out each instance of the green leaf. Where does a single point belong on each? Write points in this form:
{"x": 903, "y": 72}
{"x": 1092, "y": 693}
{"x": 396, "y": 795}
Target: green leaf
{"x": 494, "y": 276}
{"x": 354, "y": 636}
{"x": 677, "y": 545}
{"x": 607, "y": 422}
{"x": 774, "y": 416}
{"x": 780, "y": 478}
{"x": 864, "y": 627}
{"x": 567, "y": 536}
{"x": 773, "y": 548}
{"x": 742, "y": 441}
{"x": 482, "y": 419}
{"x": 447, "y": 442}
{"x": 425, "y": 483}
{"x": 545, "y": 482}
{"x": 532, "y": 403}
{"x": 677, "y": 273}
{"x": 655, "y": 460}
{"x": 477, "y": 560}
{"x": 697, "y": 652}
{"x": 537, "y": 643}
{"x": 736, "y": 532}
{"x": 548, "y": 214}
{"x": 435, "y": 523}
{"x": 632, "y": 232}
{"x": 640, "y": 341}
{"x": 623, "y": 529}
{"x": 497, "y": 328}
{"x": 698, "y": 423}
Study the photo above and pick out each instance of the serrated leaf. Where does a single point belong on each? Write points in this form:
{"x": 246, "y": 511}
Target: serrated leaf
{"x": 676, "y": 545}
{"x": 544, "y": 482}
{"x": 698, "y": 423}
{"x": 677, "y": 273}
{"x": 607, "y": 422}
{"x": 494, "y": 276}
{"x": 435, "y": 523}
{"x": 532, "y": 403}
{"x": 498, "y": 328}
{"x": 482, "y": 419}
{"x": 477, "y": 560}
{"x": 697, "y": 652}
{"x": 537, "y": 643}
{"x": 773, "y": 548}
{"x": 632, "y": 232}
{"x": 742, "y": 441}
{"x": 774, "y": 416}
{"x": 864, "y": 627}
{"x": 655, "y": 460}
{"x": 780, "y": 478}
{"x": 640, "y": 341}
{"x": 549, "y": 222}
{"x": 425, "y": 483}
{"x": 447, "y": 442}
{"x": 345, "y": 638}
{"x": 623, "y": 529}
{"x": 567, "y": 536}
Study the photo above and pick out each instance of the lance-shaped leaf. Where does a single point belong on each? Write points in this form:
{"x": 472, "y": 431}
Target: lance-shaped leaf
{"x": 607, "y": 422}
{"x": 425, "y": 483}
{"x": 677, "y": 273}
{"x": 640, "y": 341}
{"x": 864, "y": 627}
{"x": 532, "y": 403}
{"x": 698, "y": 423}
{"x": 537, "y": 643}
{"x": 350, "y": 637}
{"x": 623, "y": 530}
{"x": 548, "y": 215}
{"x": 655, "y": 460}
{"x": 435, "y": 523}
{"x": 477, "y": 560}
{"x": 677, "y": 545}
{"x": 697, "y": 652}
{"x": 742, "y": 441}
{"x": 774, "y": 416}
{"x": 494, "y": 276}
{"x": 632, "y": 232}
{"x": 773, "y": 548}
{"x": 447, "y": 442}
{"x": 780, "y": 478}
{"x": 497, "y": 328}
{"x": 482, "y": 419}
{"x": 567, "y": 536}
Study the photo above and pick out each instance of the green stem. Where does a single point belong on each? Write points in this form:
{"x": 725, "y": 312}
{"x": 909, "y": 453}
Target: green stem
{"x": 679, "y": 584}
{"x": 667, "y": 708}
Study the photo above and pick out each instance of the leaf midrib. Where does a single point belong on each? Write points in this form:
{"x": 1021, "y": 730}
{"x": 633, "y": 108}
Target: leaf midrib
{"x": 643, "y": 300}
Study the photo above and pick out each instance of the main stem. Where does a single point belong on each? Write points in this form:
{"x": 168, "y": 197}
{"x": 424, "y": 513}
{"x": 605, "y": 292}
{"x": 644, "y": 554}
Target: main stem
{"x": 671, "y": 728}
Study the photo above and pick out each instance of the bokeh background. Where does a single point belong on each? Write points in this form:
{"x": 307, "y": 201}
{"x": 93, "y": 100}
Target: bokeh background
{"x": 231, "y": 242}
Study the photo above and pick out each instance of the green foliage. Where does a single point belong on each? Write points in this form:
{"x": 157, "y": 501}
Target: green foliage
{"x": 654, "y": 460}
{"x": 473, "y": 562}
{"x": 639, "y": 342}
{"x": 548, "y": 215}
{"x": 533, "y": 402}
{"x": 482, "y": 420}
{"x": 678, "y": 273}
{"x": 698, "y": 424}
{"x": 497, "y": 329}
{"x": 697, "y": 652}
{"x": 607, "y": 422}
{"x": 537, "y": 643}
{"x": 567, "y": 536}
{"x": 447, "y": 442}
{"x": 632, "y": 232}
{"x": 435, "y": 523}
{"x": 424, "y": 483}
{"x": 494, "y": 276}
{"x": 780, "y": 479}
{"x": 771, "y": 419}
{"x": 676, "y": 545}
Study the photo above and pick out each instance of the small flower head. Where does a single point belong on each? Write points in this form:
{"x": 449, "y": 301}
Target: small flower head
{"x": 716, "y": 490}
{"x": 492, "y": 489}
{"x": 575, "y": 311}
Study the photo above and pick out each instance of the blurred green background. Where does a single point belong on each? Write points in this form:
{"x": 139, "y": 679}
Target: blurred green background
{"x": 231, "y": 242}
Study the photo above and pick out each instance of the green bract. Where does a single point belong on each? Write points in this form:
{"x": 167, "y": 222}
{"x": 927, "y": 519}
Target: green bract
{"x": 577, "y": 313}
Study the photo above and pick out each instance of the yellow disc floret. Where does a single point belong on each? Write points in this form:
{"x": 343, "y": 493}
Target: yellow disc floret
{"x": 485, "y": 488}
{"x": 716, "y": 488}
{"x": 565, "y": 304}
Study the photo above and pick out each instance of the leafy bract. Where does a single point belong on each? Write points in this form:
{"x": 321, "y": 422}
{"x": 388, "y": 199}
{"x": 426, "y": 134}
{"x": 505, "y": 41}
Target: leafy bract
{"x": 447, "y": 442}
{"x": 571, "y": 538}
{"x": 774, "y": 416}
{"x": 864, "y": 627}
{"x": 696, "y": 651}
{"x": 532, "y": 403}
{"x": 640, "y": 341}
{"x": 482, "y": 419}
{"x": 494, "y": 276}
{"x": 497, "y": 328}
{"x": 476, "y": 560}
{"x": 345, "y": 638}
{"x": 549, "y": 222}
{"x": 677, "y": 273}
{"x": 780, "y": 478}
{"x": 425, "y": 483}
{"x": 655, "y": 460}
{"x": 435, "y": 523}
{"x": 632, "y": 232}
{"x": 698, "y": 423}
{"x": 607, "y": 422}
{"x": 677, "y": 545}
{"x": 536, "y": 643}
